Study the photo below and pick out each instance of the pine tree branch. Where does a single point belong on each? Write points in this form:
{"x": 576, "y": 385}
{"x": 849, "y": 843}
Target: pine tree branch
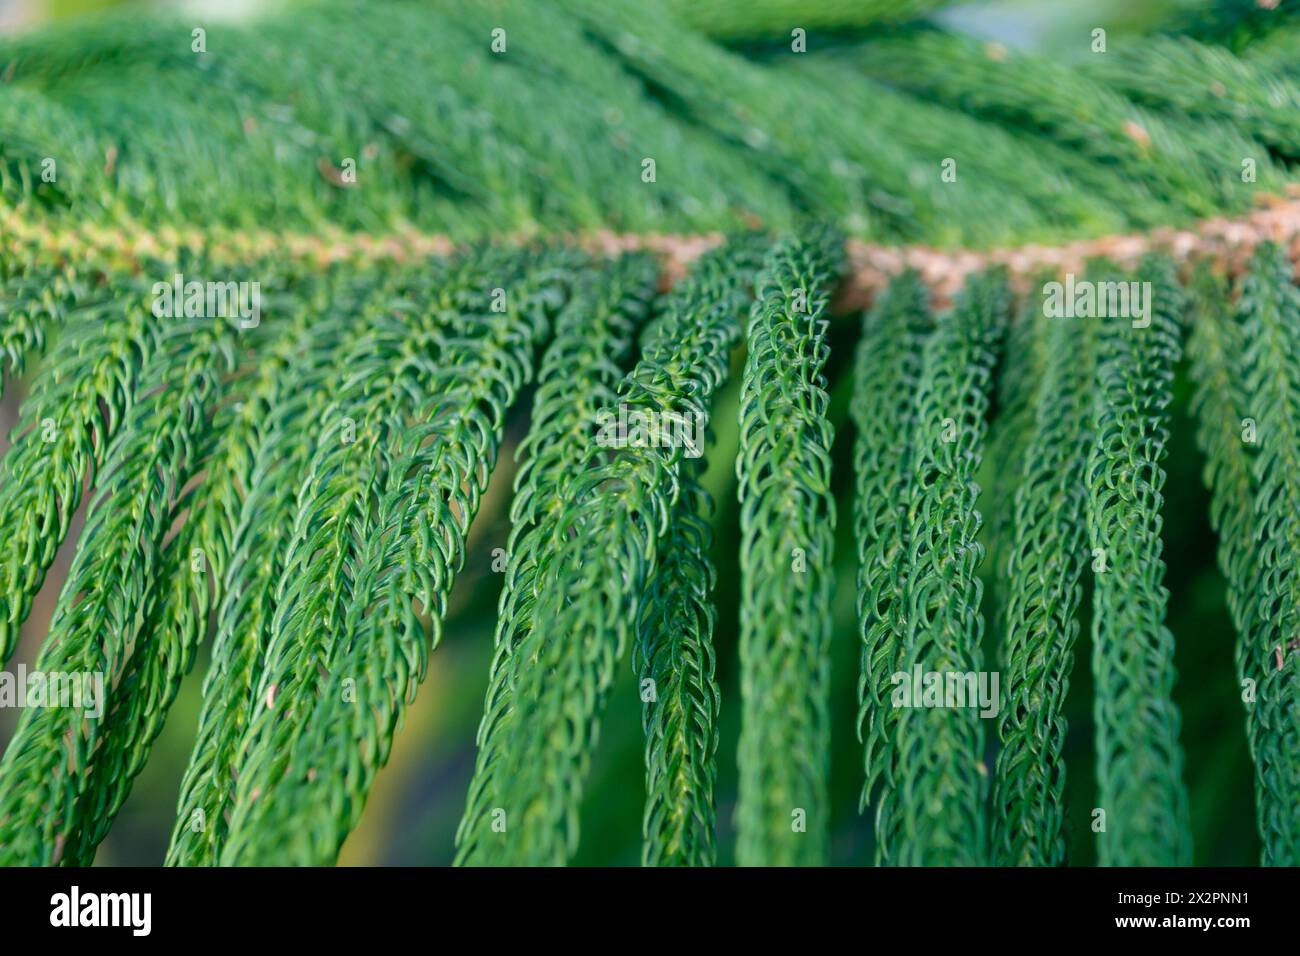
{"x": 938, "y": 766}
{"x": 787, "y": 525}
{"x": 580, "y": 370}
{"x": 1139, "y": 760}
{"x": 1044, "y": 561}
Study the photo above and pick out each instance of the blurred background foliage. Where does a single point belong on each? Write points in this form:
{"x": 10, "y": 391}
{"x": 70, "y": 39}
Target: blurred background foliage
{"x": 211, "y": 114}
{"x": 418, "y": 799}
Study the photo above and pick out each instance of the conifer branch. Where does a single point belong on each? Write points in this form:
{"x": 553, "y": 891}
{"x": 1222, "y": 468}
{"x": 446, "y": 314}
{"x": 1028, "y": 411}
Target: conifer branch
{"x": 75, "y": 410}
{"x": 938, "y": 761}
{"x": 57, "y": 754}
{"x": 267, "y": 458}
{"x": 887, "y": 371}
{"x": 1139, "y": 760}
{"x": 787, "y": 524}
{"x": 315, "y": 741}
{"x": 1043, "y": 565}
{"x": 579, "y": 373}
{"x": 1215, "y": 348}
{"x": 1270, "y": 314}
{"x": 603, "y": 548}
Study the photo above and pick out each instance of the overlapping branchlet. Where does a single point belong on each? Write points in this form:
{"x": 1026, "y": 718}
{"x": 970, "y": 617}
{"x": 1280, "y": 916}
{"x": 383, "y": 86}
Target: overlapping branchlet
{"x": 1139, "y": 761}
{"x": 1270, "y": 315}
{"x": 379, "y": 534}
{"x": 601, "y": 551}
{"x": 1041, "y": 578}
{"x": 787, "y": 525}
{"x": 886, "y": 373}
{"x": 60, "y": 769}
{"x": 937, "y": 762}
{"x": 580, "y": 371}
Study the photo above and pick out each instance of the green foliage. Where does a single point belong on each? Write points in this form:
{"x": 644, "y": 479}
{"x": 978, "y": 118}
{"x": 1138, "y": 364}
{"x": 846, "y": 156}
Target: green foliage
{"x": 228, "y": 493}
{"x": 601, "y": 552}
{"x": 1139, "y": 760}
{"x": 267, "y": 454}
{"x": 31, "y": 126}
{"x": 1270, "y": 311}
{"x": 1239, "y": 23}
{"x": 305, "y": 493}
{"x": 110, "y": 593}
{"x": 187, "y": 589}
{"x": 1276, "y": 54}
{"x": 887, "y": 373}
{"x": 34, "y": 304}
{"x": 1185, "y": 78}
{"x": 443, "y": 116}
{"x": 1178, "y": 161}
{"x": 380, "y": 532}
{"x": 579, "y": 376}
{"x": 1214, "y": 347}
{"x": 787, "y": 522}
{"x": 1016, "y": 186}
{"x": 751, "y": 19}
{"x": 675, "y": 653}
{"x": 1019, "y": 379}
{"x": 76, "y": 409}
{"x": 939, "y": 752}
{"x": 1043, "y": 565}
